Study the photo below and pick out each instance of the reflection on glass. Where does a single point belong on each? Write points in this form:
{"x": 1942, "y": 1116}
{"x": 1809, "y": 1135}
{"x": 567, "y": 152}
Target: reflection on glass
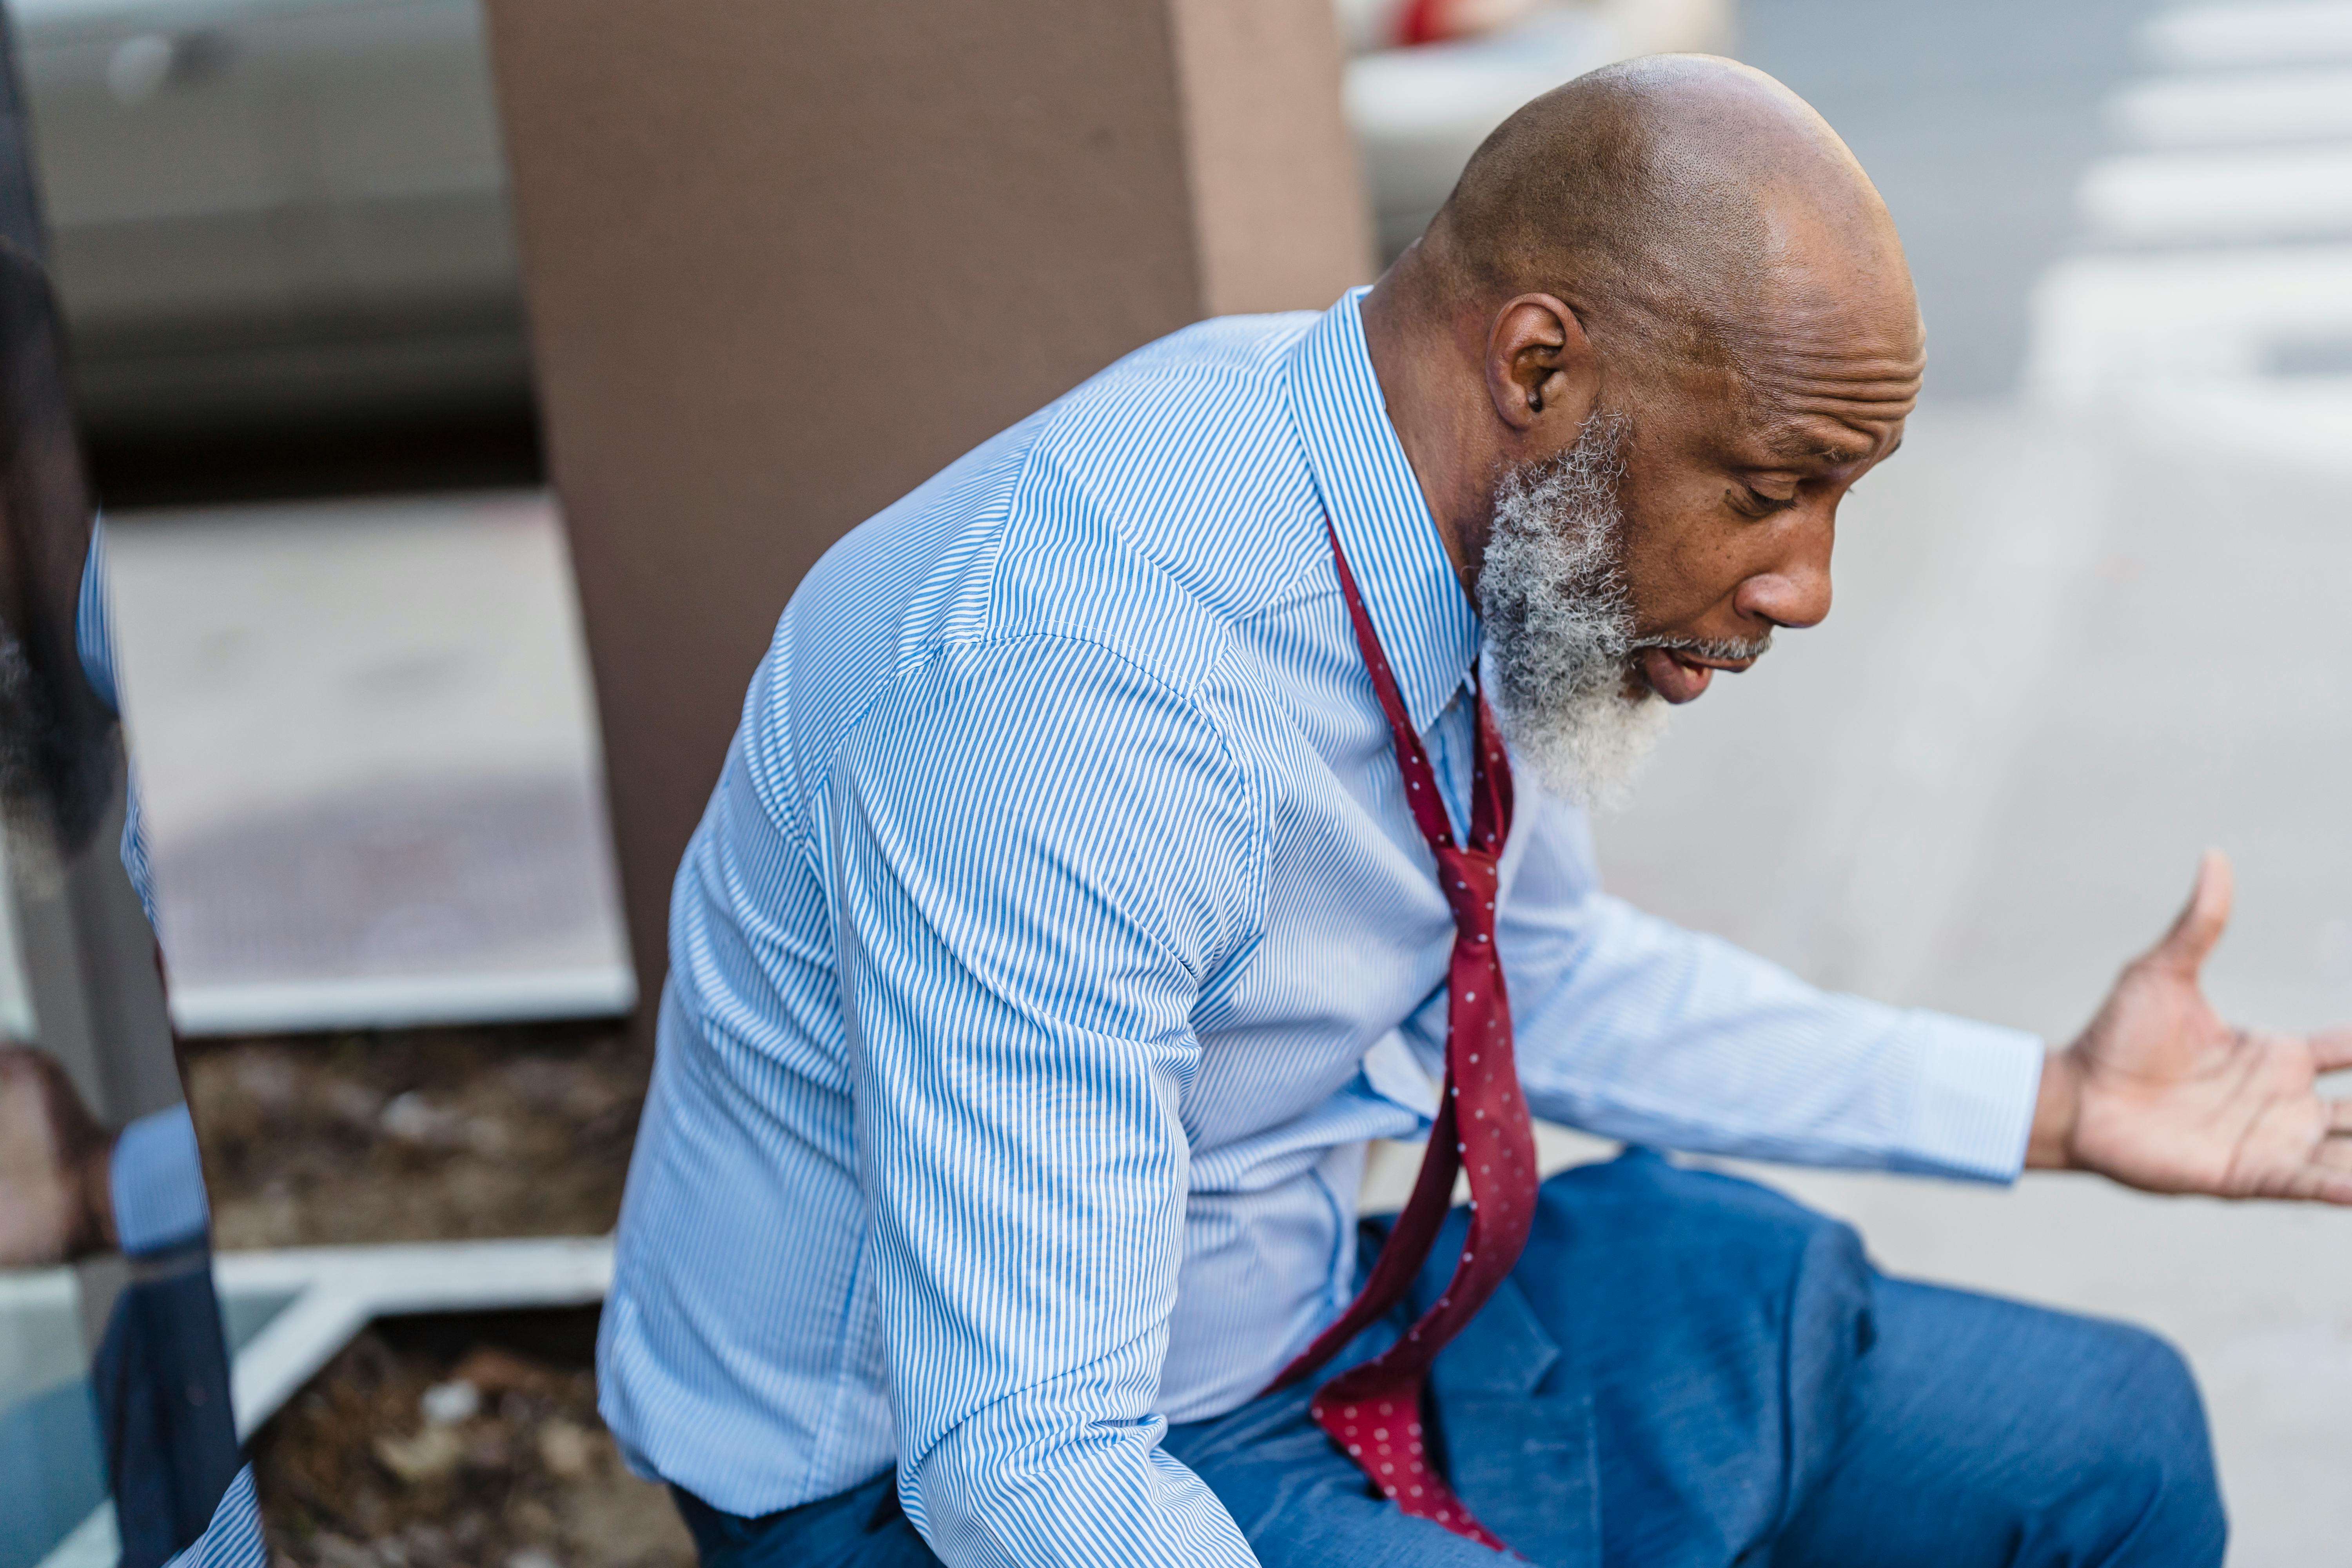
{"x": 118, "y": 1439}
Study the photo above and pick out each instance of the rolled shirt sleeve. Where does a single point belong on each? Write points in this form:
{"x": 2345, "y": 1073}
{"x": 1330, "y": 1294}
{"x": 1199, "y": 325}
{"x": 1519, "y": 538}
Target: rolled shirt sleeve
{"x": 1040, "y": 853}
{"x": 1631, "y": 1027}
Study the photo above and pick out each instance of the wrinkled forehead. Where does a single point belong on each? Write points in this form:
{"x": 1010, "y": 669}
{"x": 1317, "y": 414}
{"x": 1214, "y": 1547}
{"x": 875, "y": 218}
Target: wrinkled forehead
{"x": 1830, "y": 369}
{"x": 1831, "y": 408}
{"x": 1798, "y": 407}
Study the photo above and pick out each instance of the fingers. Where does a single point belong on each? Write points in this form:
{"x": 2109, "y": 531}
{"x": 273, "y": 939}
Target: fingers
{"x": 2331, "y": 1051}
{"x": 2319, "y": 1184}
{"x": 2198, "y": 927}
{"x": 2326, "y": 1178}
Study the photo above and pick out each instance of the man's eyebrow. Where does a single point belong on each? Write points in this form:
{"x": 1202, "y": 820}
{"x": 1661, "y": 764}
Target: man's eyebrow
{"x": 1798, "y": 448}
{"x": 1795, "y": 445}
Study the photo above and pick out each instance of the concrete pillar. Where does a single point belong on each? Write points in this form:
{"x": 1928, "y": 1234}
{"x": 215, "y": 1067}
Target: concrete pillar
{"x": 785, "y": 261}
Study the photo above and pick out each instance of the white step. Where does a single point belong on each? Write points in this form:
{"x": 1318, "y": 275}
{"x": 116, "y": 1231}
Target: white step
{"x": 2106, "y": 325}
{"x": 2213, "y": 36}
{"x": 402, "y": 1002}
{"x": 2301, "y": 192}
{"x": 2241, "y": 106}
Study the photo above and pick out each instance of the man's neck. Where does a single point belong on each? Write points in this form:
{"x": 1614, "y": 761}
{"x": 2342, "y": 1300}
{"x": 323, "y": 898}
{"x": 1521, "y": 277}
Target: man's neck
{"x": 1418, "y": 362}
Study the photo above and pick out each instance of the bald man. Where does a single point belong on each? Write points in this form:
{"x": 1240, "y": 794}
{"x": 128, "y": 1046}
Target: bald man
{"x": 1188, "y": 786}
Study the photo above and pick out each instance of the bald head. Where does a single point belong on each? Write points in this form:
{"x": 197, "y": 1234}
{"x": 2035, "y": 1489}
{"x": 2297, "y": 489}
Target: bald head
{"x": 1679, "y": 202}
{"x": 1659, "y": 330}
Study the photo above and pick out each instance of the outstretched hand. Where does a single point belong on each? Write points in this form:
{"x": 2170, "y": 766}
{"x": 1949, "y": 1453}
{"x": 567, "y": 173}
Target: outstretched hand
{"x": 2160, "y": 1093}
{"x": 54, "y": 1203}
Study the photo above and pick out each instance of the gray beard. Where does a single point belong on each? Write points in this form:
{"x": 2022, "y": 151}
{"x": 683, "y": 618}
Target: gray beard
{"x": 1560, "y": 624}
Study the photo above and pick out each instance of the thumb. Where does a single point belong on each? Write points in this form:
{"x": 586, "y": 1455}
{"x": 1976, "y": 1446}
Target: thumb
{"x": 2192, "y": 936}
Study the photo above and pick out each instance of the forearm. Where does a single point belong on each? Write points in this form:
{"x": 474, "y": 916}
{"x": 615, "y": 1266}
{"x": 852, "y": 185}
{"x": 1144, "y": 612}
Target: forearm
{"x": 1019, "y": 1024}
{"x": 1642, "y": 1031}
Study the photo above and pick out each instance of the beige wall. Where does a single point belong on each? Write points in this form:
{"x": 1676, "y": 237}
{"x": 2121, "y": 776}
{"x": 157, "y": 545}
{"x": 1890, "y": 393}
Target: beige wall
{"x": 783, "y": 262}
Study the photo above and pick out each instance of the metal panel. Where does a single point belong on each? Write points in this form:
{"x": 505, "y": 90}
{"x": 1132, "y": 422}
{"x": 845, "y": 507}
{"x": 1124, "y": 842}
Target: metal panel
{"x": 86, "y": 990}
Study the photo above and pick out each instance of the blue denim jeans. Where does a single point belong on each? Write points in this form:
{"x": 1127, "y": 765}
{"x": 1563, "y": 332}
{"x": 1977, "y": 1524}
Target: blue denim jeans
{"x": 1690, "y": 1370}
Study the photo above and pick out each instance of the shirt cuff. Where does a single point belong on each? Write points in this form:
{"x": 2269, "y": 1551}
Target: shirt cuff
{"x": 158, "y": 1184}
{"x": 1972, "y": 1098}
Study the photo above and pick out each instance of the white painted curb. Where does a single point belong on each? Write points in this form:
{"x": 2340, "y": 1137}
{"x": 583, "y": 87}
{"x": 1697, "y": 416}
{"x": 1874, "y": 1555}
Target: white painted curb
{"x": 331, "y": 1294}
{"x": 336, "y": 1291}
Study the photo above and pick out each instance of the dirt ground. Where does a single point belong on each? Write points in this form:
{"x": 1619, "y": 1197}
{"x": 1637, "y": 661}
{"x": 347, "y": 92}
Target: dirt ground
{"x": 444, "y": 1442}
{"x": 460, "y": 1442}
{"x": 415, "y": 1135}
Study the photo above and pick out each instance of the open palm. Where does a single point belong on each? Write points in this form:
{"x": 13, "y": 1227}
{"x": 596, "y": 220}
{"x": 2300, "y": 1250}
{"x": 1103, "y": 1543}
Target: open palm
{"x": 2172, "y": 1099}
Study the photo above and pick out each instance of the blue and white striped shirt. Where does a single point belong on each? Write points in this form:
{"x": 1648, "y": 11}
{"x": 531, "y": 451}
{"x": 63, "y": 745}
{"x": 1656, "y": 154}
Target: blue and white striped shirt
{"x": 1057, "y": 936}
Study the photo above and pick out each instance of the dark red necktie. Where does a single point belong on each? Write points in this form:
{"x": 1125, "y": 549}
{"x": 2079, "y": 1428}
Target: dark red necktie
{"x": 1374, "y": 1411}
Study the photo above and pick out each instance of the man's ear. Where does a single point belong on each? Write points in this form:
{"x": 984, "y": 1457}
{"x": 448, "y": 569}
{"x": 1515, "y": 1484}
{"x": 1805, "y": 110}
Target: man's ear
{"x": 1541, "y": 370}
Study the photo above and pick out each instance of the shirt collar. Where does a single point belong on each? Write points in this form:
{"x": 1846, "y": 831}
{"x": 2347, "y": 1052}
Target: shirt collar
{"x": 1425, "y": 622}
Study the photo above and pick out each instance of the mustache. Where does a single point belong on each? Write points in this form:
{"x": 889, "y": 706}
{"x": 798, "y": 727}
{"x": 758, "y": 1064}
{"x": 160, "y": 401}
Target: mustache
{"x": 1710, "y": 647}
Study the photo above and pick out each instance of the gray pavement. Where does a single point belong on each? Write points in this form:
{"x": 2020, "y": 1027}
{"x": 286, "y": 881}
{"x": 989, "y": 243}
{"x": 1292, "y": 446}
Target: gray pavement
{"x": 367, "y": 745}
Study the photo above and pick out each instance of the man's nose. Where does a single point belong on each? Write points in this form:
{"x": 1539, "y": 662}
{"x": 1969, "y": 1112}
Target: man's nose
{"x": 1794, "y": 591}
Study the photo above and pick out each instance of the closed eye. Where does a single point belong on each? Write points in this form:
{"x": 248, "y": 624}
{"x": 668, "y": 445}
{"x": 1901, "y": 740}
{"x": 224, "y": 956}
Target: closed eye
{"x": 1750, "y": 501}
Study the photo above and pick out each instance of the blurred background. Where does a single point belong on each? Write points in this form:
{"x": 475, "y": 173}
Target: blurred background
{"x": 2088, "y": 624}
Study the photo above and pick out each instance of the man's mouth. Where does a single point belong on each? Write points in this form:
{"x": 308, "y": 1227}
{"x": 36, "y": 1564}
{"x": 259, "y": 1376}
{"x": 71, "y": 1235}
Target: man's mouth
{"x": 1678, "y": 675}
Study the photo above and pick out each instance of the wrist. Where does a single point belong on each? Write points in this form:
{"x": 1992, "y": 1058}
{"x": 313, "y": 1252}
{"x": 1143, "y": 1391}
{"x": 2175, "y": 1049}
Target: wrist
{"x": 2057, "y": 1109}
